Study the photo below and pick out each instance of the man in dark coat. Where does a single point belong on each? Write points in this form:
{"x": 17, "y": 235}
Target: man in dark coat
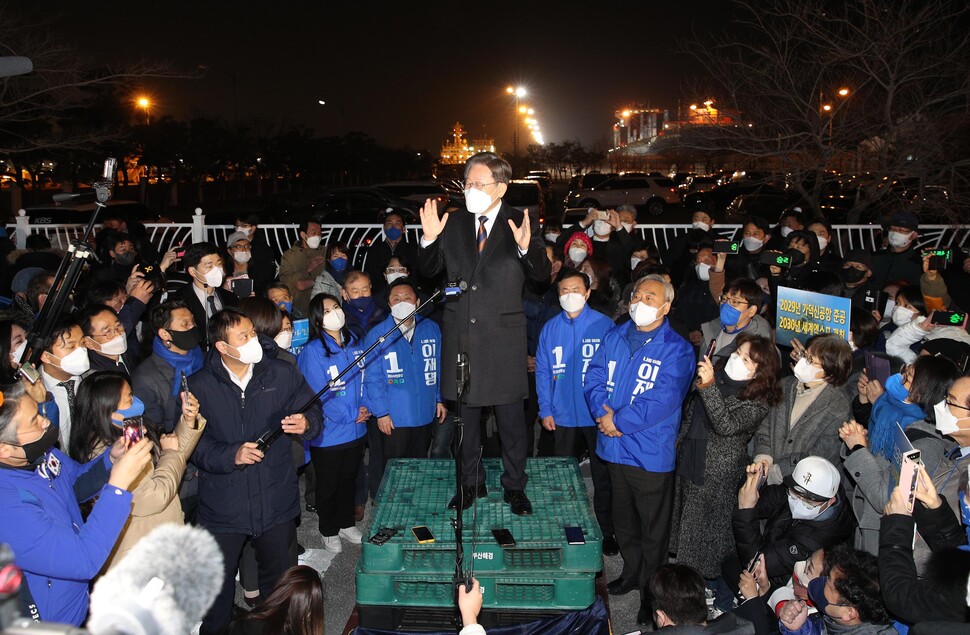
{"x": 381, "y": 252}
{"x": 492, "y": 249}
{"x": 248, "y": 494}
{"x": 205, "y": 296}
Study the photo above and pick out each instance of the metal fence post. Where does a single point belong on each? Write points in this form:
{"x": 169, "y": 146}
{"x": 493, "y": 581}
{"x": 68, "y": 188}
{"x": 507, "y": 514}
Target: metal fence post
{"x": 198, "y": 226}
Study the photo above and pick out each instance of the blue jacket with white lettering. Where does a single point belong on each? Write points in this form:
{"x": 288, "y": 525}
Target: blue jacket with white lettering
{"x": 566, "y": 347}
{"x": 645, "y": 389}
{"x": 401, "y": 377}
{"x": 341, "y": 406}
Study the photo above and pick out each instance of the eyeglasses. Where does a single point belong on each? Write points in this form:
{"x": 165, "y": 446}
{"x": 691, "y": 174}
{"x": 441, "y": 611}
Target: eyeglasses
{"x": 478, "y": 185}
{"x": 241, "y": 248}
{"x": 807, "y": 501}
{"x": 736, "y": 303}
{"x": 955, "y": 405}
{"x": 396, "y": 270}
{"x": 804, "y": 355}
{"x": 109, "y": 331}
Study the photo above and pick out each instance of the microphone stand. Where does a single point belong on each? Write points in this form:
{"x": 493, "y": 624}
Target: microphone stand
{"x": 459, "y": 578}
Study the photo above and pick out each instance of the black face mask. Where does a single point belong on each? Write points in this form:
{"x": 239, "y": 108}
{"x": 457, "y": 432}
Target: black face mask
{"x": 35, "y": 450}
{"x": 126, "y": 259}
{"x": 186, "y": 340}
{"x": 851, "y": 275}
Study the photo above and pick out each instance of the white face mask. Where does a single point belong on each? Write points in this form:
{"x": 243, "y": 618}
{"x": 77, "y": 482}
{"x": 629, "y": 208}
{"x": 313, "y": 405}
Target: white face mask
{"x": 552, "y": 237}
{"x": 946, "y": 423}
{"x": 213, "y": 277}
{"x": 335, "y": 320}
{"x": 283, "y": 339}
{"x": 572, "y": 302}
{"x": 577, "y": 254}
{"x": 634, "y": 262}
{"x": 823, "y": 242}
{"x": 250, "y": 352}
{"x": 736, "y": 369}
{"x": 806, "y": 373}
{"x": 391, "y": 277}
{"x": 752, "y": 243}
{"x": 800, "y": 510}
{"x": 902, "y": 315}
{"x": 18, "y": 353}
{"x": 116, "y": 346}
{"x": 643, "y": 314}
{"x": 703, "y": 271}
{"x": 248, "y": 231}
{"x": 313, "y": 242}
{"x": 242, "y": 256}
{"x": 76, "y": 362}
{"x": 477, "y": 201}
{"x": 899, "y": 240}
{"x": 402, "y": 309}
{"x": 701, "y": 226}
{"x": 785, "y": 231}
{"x": 601, "y": 228}
{"x": 627, "y": 226}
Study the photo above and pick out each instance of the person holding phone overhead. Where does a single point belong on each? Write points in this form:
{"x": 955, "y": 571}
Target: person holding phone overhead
{"x": 239, "y": 281}
{"x": 728, "y": 403}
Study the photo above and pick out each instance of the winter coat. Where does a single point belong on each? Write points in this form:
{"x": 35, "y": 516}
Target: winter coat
{"x": 645, "y": 389}
{"x": 905, "y": 336}
{"x": 487, "y": 321}
{"x": 248, "y": 499}
{"x": 711, "y": 330}
{"x": 152, "y": 381}
{"x": 401, "y": 377}
{"x": 704, "y": 511}
{"x": 58, "y": 551}
{"x": 566, "y": 347}
{"x": 341, "y": 405}
{"x": 293, "y": 268}
{"x": 785, "y": 541}
{"x": 815, "y": 434}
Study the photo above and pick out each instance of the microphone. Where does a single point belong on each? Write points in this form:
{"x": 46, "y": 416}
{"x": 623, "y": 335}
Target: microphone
{"x": 454, "y": 288}
{"x": 163, "y": 587}
{"x": 462, "y": 370}
{"x": 11, "y": 65}
{"x": 63, "y": 198}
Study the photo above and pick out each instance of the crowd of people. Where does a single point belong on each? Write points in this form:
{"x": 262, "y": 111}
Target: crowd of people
{"x": 744, "y": 482}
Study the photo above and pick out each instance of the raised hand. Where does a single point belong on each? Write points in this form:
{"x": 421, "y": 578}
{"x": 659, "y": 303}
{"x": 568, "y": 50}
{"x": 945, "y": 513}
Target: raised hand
{"x": 431, "y": 225}
{"x": 522, "y": 233}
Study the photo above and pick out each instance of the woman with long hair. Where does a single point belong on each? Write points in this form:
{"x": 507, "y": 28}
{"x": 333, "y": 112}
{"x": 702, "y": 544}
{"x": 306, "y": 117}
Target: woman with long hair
{"x": 295, "y": 607}
{"x": 337, "y": 453}
{"x": 104, "y": 406}
{"x": 13, "y": 342}
{"x": 720, "y": 417}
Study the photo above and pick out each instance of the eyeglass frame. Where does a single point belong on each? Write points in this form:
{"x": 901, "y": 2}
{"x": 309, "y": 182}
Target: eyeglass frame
{"x": 477, "y": 185}
{"x": 724, "y": 298}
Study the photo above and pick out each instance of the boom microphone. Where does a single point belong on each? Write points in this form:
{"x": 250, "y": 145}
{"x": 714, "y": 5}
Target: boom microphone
{"x": 11, "y": 65}
{"x": 163, "y": 587}
{"x": 454, "y": 288}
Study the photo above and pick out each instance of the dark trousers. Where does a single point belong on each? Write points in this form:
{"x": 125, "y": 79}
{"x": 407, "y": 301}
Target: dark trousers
{"x": 443, "y": 433}
{"x": 336, "y": 476}
{"x": 642, "y": 506}
{"x": 375, "y": 460}
{"x": 511, "y": 429}
{"x": 407, "y": 443}
{"x": 273, "y": 557}
{"x": 565, "y": 445}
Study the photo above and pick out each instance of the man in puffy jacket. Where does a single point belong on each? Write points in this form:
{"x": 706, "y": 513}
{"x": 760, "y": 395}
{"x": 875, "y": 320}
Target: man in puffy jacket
{"x": 566, "y": 346}
{"x": 246, "y": 493}
{"x": 634, "y": 387}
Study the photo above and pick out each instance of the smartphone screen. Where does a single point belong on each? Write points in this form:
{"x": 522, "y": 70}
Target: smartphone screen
{"x": 242, "y": 287}
{"x": 28, "y": 371}
{"x": 575, "y": 536}
{"x": 132, "y": 430}
{"x": 422, "y": 534}
{"x": 503, "y": 537}
{"x": 909, "y": 477}
{"x": 763, "y": 477}
{"x": 725, "y": 247}
{"x": 710, "y": 348}
{"x": 949, "y": 318}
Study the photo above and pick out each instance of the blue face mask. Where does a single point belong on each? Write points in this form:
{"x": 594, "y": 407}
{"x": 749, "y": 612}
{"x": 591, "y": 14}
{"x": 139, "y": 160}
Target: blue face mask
{"x": 729, "y": 315}
{"x": 965, "y": 515}
{"x": 287, "y": 306}
{"x": 360, "y": 304}
{"x": 338, "y": 264}
{"x": 392, "y": 233}
{"x": 895, "y": 387}
{"x": 136, "y": 409}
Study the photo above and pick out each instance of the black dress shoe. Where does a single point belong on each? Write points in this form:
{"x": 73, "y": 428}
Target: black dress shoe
{"x": 645, "y": 615}
{"x": 621, "y": 586}
{"x": 310, "y": 508}
{"x": 469, "y": 493}
{"x": 519, "y": 502}
{"x": 610, "y": 548}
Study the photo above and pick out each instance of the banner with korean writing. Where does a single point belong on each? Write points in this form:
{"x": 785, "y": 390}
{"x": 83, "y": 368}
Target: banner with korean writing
{"x": 803, "y": 314}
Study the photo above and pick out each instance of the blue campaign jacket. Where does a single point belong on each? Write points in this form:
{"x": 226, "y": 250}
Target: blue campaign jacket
{"x": 566, "y": 347}
{"x": 341, "y": 406}
{"x": 401, "y": 378}
{"x": 58, "y": 551}
{"x": 645, "y": 390}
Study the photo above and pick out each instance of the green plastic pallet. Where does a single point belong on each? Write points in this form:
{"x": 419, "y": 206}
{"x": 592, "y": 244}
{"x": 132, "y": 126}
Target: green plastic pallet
{"x": 567, "y": 591}
{"x": 417, "y": 491}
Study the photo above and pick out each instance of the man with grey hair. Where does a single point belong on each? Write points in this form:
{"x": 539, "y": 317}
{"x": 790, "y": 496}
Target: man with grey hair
{"x": 492, "y": 248}
{"x": 634, "y": 387}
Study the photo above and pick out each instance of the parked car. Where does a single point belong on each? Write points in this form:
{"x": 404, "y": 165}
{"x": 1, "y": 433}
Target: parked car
{"x": 587, "y": 181}
{"x": 416, "y": 191}
{"x": 525, "y": 194}
{"x": 717, "y": 199}
{"x": 767, "y": 203}
{"x": 697, "y": 183}
{"x": 352, "y": 205}
{"x": 652, "y": 193}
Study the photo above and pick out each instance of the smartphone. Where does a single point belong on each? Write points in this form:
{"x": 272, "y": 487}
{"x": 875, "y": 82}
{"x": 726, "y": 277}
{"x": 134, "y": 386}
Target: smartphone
{"x": 601, "y": 215}
{"x": 710, "y": 348}
{"x": 184, "y": 388}
{"x": 877, "y": 368}
{"x": 28, "y": 371}
{"x": 575, "y": 536}
{"x": 503, "y": 537}
{"x": 132, "y": 430}
{"x": 382, "y": 536}
{"x": 148, "y": 270}
{"x": 949, "y": 318}
{"x": 938, "y": 258}
{"x": 422, "y": 534}
{"x": 726, "y": 246}
{"x": 754, "y": 562}
{"x": 242, "y": 287}
{"x": 776, "y": 259}
{"x": 875, "y": 300}
{"x": 909, "y": 477}
{"x": 763, "y": 477}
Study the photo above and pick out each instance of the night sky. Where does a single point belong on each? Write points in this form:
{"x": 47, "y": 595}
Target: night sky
{"x": 404, "y": 72}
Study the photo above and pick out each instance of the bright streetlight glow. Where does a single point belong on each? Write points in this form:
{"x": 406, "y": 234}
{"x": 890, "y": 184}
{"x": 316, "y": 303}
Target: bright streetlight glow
{"x": 321, "y": 102}
{"x": 523, "y": 109}
{"x": 827, "y": 107}
{"x": 144, "y": 102}
{"x": 843, "y": 92}
{"x": 626, "y": 113}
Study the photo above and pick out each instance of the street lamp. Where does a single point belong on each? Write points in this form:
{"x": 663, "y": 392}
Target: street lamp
{"x": 517, "y": 93}
{"x": 145, "y": 104}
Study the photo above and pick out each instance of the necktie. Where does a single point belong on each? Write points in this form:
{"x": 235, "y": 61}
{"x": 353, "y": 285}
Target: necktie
{"x": 212, "y": 305}
{"x": 69, "y": 387}
{"x": 482, "y": 234}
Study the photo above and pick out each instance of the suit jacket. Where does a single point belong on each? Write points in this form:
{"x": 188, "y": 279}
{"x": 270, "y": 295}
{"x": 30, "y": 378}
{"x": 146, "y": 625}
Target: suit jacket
{"x": 487, "y": 321}
{"x": 187, "y": 295}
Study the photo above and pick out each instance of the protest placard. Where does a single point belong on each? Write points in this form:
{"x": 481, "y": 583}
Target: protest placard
{"x": 803, "y": 314}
